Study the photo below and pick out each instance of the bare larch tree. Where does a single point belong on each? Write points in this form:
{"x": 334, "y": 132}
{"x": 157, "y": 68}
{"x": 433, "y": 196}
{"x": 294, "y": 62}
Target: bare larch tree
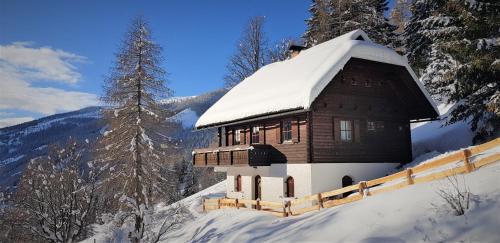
{"x": 133, "y": 145}
{"x": 251, "y": 53}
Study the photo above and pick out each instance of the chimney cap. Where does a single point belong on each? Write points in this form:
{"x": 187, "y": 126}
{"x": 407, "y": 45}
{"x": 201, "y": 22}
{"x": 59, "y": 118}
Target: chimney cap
{"x": 296, "y": 48}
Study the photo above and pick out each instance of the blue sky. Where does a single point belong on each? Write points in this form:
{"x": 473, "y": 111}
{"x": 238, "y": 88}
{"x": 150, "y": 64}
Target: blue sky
{"x": 55, "y": 53}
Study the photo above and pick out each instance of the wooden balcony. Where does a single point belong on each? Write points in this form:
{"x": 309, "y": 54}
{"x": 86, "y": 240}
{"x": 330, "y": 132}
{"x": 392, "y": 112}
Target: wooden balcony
{"x": 237, "y": 155}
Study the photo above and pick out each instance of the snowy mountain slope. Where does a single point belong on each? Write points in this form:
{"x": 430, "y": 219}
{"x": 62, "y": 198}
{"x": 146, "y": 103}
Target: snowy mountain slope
{"x": 412, "y": 214}
{"x": 20, "y": 143}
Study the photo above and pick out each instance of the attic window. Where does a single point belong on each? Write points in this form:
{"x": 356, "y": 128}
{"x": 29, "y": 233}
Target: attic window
{"x": 360, "y": 38}
{"x": 368, "y": 83}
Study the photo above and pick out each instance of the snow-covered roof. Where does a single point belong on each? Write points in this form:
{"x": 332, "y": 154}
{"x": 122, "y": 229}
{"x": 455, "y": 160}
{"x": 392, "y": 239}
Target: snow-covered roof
{"x": 295, "y": 83}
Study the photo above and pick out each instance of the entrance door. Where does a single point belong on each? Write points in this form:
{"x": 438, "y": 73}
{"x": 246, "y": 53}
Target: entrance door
{"x": 346, "y": 181}
{"x": 258, "y": 188}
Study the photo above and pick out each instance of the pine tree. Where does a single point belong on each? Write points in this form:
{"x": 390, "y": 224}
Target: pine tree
{"x": 417, "y": 44}
{"x": 250, "y": 53}
{"x": 343, "y": 16}
{"x": 132, "y": 146}
{"x": 319, "y": 24}
{"x": 280, "y": 51}
{"x": 400, "y": 16}
{"x": 464, "y": 67}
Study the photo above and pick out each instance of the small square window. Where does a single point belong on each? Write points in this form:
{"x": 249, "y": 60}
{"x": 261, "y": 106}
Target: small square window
{"x": 370, "y": 126}
{"x": 380, "y": 125}
{"x": 368, "y": 83}
{"x": 354, "y": 82}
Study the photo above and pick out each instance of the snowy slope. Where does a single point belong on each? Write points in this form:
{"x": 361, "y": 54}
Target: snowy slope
{"x": 20, "y": 143}
{"x": 412, "y": 214}
{"x": 437, "y": 137}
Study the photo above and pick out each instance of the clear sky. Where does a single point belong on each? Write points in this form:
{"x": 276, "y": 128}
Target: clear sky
{"x": 54, "y": 54}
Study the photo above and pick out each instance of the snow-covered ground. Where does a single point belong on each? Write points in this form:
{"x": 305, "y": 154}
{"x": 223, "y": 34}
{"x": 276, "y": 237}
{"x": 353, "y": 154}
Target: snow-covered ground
{"x": 412, "y": 214}
{"x": 437, "y": 137}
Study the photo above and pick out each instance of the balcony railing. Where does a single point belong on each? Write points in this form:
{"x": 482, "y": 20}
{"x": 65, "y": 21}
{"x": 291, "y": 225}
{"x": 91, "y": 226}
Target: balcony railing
{"x": 237, "y": 155}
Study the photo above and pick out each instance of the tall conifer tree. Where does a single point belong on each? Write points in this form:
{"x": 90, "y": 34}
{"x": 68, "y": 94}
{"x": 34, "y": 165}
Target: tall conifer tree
{"x": 131, "y": 146}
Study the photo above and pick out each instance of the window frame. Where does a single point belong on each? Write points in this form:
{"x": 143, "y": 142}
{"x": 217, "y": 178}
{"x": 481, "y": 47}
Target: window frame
{"x": 346, "y": 132}
{"x": 287, "y": 186}
{"x": 237, "y": 136}
{"x": 380, "y": 125}
{"x": 237, "y": 186}
{"x": 286, "y": 135}
{"x": 371, "y": 126}
{"x": 255, "y": 136}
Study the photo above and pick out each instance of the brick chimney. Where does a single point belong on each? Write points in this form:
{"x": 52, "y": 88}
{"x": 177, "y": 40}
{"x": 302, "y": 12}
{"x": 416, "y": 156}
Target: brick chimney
{"x": 295, "y": 50}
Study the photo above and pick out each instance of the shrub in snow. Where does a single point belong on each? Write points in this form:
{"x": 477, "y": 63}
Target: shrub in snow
{"x": 57, "y": 198}
{"x": 456, "y": 195}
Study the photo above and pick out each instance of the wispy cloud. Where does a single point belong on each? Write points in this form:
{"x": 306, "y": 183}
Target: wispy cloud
{"x": 21, "y": 65}
{"x": 42, "y": 63}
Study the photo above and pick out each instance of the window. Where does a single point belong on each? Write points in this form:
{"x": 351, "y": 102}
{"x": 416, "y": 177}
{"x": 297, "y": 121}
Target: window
{"x": 354, "y": 82}
{"x": 255, "y": 134}
{"x": 236, "y": 136}
{"x": 286, "y": 131}
{"x": 370, "y": 126}
{"x": 290, "y": 192}
{"x": 237, "y": 183}
{"x": 380, "y": 125}
{"x": 346, "y": 130}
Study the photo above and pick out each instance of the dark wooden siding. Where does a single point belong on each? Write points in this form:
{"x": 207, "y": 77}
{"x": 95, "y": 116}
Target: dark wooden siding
{"x": 295, "y": 151}
{"x": 360, "y": 93}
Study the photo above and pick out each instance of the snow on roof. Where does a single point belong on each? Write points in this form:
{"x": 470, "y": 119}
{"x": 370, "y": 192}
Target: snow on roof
{"x": 295, "y": 83}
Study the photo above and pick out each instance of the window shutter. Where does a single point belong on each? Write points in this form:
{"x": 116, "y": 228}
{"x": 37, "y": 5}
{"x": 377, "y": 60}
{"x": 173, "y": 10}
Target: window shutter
{"x": 219, "y": 136}
{"x": 230, "y": 139}
{"x": 278, "y": 132}
{"x": 357, "y": 137}
{"x": 336, "y": 129}
{"x": 262, "y": 135}
{"x": 242, "y": 136}
{"x": 295, "y": 131}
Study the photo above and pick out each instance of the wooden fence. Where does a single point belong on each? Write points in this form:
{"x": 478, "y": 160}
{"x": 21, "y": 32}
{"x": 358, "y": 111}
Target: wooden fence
{"x": 418, "y": 174}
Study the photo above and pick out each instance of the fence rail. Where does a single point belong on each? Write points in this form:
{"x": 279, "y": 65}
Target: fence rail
{"x": 358, "y": 191}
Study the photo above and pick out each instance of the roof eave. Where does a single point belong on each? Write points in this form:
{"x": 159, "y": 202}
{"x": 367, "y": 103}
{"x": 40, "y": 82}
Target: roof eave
{"x": 254, "y": 118}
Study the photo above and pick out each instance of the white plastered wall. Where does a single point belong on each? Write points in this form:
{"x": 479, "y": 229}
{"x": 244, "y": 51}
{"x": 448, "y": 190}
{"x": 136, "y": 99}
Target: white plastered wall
{"x": 328, "y": 176}
{"x": 308, "y": 178}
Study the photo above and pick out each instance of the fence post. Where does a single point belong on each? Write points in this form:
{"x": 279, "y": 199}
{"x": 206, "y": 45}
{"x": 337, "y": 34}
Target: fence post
{"x": 289, "y": 206}
{"x": 218, "y": 203}
{"x": 361, "y": 188}
{"x": 258, "y": 205}
{"x": 409, "y": 177}
{"x": 468, "y": 166}
{"x": 204, "y": 210}
{"x": 320, "y": 200}
{"x": 237, "y": 204}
